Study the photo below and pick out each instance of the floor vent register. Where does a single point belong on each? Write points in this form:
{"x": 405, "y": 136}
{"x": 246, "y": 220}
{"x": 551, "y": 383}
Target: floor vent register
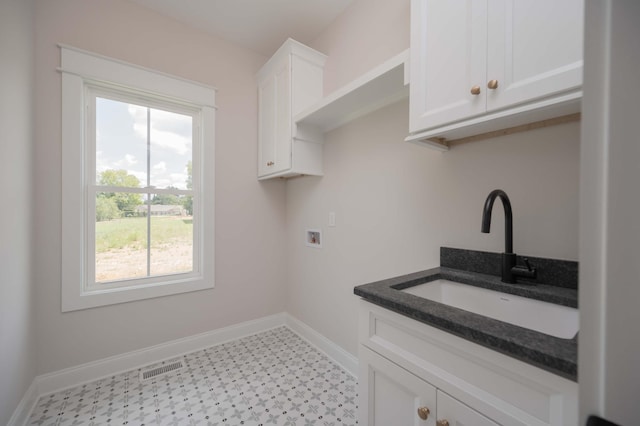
{"x": 151, "y": 373}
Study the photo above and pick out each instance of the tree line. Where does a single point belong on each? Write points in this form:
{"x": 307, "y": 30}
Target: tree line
{"x": 114, "y": 205}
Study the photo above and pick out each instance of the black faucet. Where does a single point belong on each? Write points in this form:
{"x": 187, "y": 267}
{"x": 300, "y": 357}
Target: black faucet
{"x": 509, "y": 259}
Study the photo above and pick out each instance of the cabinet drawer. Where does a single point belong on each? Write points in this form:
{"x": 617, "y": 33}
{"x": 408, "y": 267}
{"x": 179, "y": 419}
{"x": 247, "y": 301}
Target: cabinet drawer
{"x": 507, "y": 390}
{"x": 455, "y": 413}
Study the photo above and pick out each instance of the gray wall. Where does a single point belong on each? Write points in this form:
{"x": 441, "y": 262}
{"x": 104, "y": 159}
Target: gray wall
{"x": 250, "y": 219}
{"x": 396, "y": 203}
{"x": 17, "y": 337}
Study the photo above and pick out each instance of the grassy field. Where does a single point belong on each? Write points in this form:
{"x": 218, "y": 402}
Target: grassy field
{"x": 121, "y": 247}
{"x": 131, "y": 233}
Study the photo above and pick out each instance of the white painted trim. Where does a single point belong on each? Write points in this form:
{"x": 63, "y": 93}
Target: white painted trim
{"x": 383, "y": 85}
{"x": 23, "y": 410}
{"x": 89, "y": 65}
{"x": 79, "y": 68}
{"x": 337, "y": 354}
{"x": 110, "y": 366}
{"x": 292, "y": 47}
{"x": 78, "y": 375}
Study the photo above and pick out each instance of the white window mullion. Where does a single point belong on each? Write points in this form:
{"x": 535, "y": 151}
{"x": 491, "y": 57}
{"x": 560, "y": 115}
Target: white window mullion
{"x": 134, "y": 190}
{"x": 148, "y": 194}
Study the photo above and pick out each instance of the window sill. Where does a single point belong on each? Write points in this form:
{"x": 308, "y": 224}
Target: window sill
{"x": 95, "y": 298}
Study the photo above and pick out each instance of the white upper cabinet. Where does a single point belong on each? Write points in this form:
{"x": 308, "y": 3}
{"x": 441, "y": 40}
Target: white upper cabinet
{"x": 288, "y": 83}
{"x": 534, "y": 49}
{"x": 448, "y": 58}
{"x": 484, "y": 65}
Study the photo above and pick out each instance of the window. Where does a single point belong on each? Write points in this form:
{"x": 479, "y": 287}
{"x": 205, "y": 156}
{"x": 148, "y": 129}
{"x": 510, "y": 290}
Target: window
{"x": 137, "y": 182}
{"x": 141, "y": 201}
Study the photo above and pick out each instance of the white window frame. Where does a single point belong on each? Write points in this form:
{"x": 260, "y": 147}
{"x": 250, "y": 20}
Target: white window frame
{"x": 82, "y": 72}
{"x": 92, "y": 92}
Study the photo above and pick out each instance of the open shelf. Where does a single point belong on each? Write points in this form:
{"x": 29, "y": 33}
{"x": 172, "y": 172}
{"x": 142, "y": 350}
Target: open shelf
{"x": 383, "y": 85}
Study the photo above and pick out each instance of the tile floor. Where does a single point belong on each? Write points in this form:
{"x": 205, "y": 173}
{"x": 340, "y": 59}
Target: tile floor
{"x": 271, "y": 378}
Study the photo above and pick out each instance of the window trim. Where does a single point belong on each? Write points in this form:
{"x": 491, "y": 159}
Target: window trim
{"x": 81, "y": 69}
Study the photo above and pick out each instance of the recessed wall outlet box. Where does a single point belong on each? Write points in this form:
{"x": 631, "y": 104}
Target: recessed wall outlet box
{"x": 313, "y": 238}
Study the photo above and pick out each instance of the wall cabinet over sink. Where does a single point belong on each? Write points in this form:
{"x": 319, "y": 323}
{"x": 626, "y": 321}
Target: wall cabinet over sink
{"x": 288, "y": 83}
{"x": 484, "y": 65}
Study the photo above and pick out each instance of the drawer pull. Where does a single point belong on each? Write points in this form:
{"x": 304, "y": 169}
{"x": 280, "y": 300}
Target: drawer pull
{"x": 475, "y": 90}
{"x": 493, "y": 84}
{"x": 423, "y": 413}
{"x": 442, "y": 423}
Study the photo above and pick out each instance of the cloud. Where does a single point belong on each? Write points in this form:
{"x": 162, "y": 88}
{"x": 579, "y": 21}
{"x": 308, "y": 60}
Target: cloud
{"x": 179, "y": 176}
{"x": 179, "y": 180}
{"x": 160, "y": 167}
{"x": 162, "y": 182}
{"x": 180, "y": 144}
{"x": 124, "y": 163}
{"x": 168, "y": 130}
{"x": 101, "y": 164}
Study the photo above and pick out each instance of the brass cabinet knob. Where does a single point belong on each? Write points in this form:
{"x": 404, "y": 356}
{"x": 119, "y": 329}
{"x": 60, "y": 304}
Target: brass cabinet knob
{"x": 270, "y": 163}
{"x": 423, "y": 413}
{"x": 492, "y": 84}
{"x": 442, "y": 423}
{"x": 475, "y": 90}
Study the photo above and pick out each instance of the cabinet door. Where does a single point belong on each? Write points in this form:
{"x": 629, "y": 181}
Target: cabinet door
{"x": 455, "y": 413}
{"x": 266, "y": 125}
{"x": 448, "y": 58}
{"x": 283, "y": 118}
{"x": 534, "y": 49}
{"x": 274, "y": 122}
{"x": 391, "y": 395}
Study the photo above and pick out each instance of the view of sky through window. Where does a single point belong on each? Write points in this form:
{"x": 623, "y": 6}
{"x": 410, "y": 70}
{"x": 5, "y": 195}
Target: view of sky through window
{"x": 121, "y": 143}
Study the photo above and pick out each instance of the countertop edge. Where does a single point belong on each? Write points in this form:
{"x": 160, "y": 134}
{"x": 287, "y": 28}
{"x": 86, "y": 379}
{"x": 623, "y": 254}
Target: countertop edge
{"x": 553, "y": 354}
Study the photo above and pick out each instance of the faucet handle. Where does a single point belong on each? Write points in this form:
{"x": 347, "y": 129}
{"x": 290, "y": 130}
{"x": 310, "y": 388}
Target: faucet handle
{"x": 520, "y": 271}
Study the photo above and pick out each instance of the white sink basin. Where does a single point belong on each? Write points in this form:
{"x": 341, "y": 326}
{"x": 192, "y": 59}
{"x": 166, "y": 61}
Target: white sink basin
{"x": 548, "y": 318}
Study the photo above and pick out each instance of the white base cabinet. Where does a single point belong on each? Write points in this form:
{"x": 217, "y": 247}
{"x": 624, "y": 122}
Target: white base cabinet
{"x": 394, "y": 396}
{"x": 397, "y": 397}
{"x": 452, "y": 412}
{"x": 407, "y": 366}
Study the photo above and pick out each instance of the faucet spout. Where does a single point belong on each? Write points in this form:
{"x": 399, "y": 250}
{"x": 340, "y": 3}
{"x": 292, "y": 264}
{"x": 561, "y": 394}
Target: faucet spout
{"x": 508, "y": 217}
{"x": 509, "y": 259}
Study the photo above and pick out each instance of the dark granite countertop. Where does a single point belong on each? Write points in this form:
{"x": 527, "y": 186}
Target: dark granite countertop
{"x": 553, "y": 354}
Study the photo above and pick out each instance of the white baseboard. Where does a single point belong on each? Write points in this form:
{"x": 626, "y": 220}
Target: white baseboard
{"x": 74, "y": 376}
{"x": 343, "y": 358}
{"x": 69, "y": 377}
{"x": 23, "y": 410}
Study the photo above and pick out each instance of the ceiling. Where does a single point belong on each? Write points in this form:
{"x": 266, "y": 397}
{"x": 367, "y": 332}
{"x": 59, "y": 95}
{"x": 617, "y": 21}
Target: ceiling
{"x": 259, "y": 25}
